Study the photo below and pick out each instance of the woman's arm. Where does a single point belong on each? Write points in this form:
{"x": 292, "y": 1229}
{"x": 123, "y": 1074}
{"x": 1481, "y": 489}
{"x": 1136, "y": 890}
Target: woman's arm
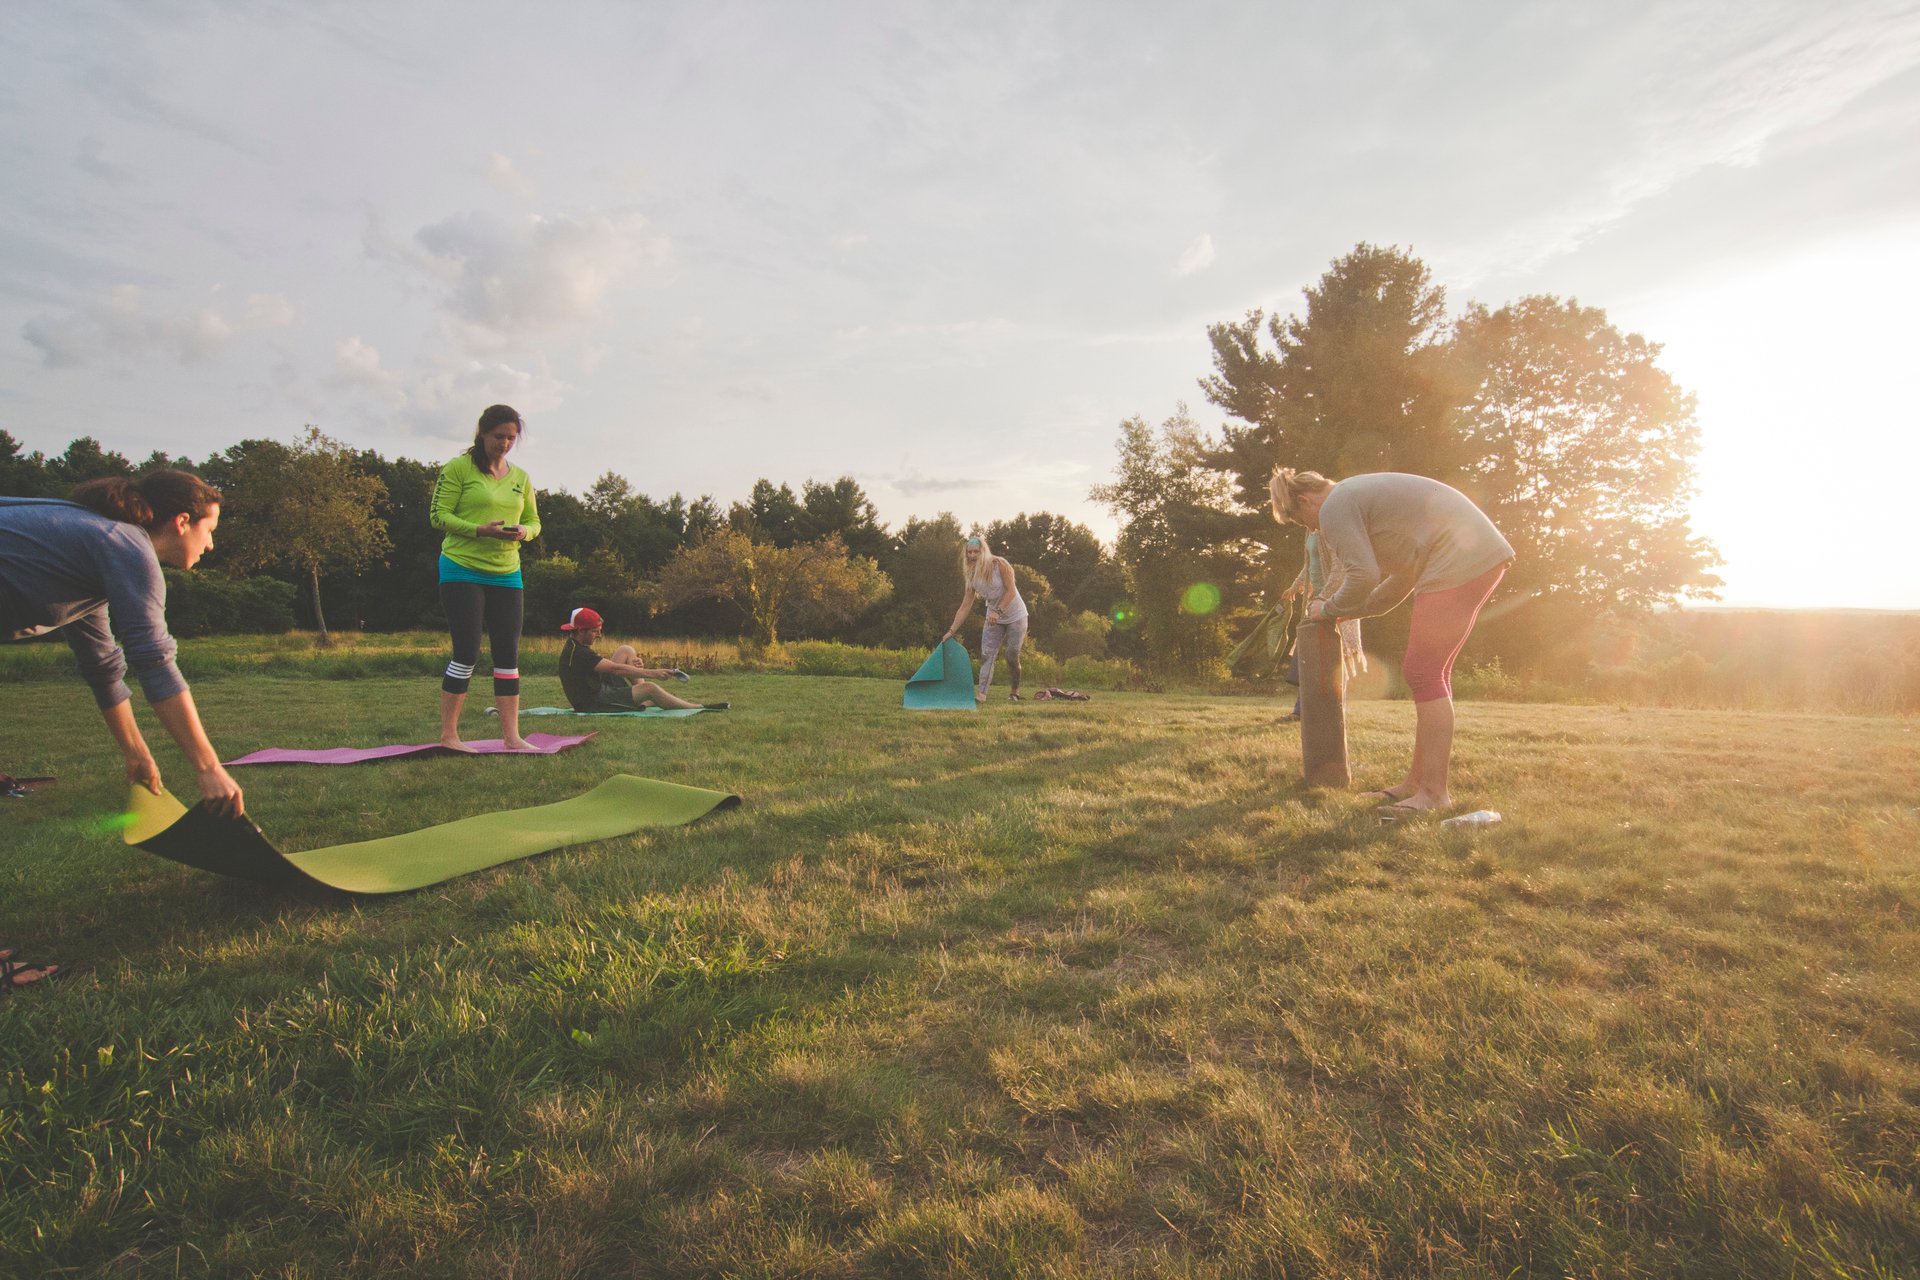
{"x": 446, "y": 499}
{"x": 529, "y": 512}
{"x": 966, "y": 607}
{"x": 1344, "y": 533}
{"x": 142, "y": 771}
{"x": 182, "y": 720}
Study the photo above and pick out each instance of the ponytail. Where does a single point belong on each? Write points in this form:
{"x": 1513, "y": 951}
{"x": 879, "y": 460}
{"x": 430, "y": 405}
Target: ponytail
{"x": 150, "y": 501}
{"x": 493, "y": 417}
{"x": 1287, "y": 487}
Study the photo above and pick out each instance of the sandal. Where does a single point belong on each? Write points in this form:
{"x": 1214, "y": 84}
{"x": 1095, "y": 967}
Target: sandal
{"x": 10, "y": 971}
{"x": 1014, "y": 697}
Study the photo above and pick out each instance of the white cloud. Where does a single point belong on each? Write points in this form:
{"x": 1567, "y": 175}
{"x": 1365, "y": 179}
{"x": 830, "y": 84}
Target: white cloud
{"x": 118, "y": 328}
{"x": 268, "y": 311}
{"x": 502, "y": 174}
{"x": 504, "y": 281}
{"x": 912, "y": 482}
{"x": 356, "y": 364}
{"x": 1198, "y": 256}
{"x": 1800, "y": 78}
{"x": 444, "y": 390}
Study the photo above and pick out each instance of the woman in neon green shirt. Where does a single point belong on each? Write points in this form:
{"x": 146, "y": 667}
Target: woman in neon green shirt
{"x": 485, "y": 506}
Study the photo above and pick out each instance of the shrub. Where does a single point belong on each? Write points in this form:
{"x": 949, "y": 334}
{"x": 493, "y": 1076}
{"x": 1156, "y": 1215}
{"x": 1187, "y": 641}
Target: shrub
{"x": 1084, "y": 635}
{"x": 200, "y": 604}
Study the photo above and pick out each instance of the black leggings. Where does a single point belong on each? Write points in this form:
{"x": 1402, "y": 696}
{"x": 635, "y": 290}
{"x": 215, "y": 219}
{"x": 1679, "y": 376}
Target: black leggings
{"x": 468, "y": 604}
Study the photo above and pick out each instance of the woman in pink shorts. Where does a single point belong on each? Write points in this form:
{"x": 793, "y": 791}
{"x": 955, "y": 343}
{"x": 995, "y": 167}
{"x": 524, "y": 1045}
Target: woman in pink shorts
{"x": 1397, "y": 534}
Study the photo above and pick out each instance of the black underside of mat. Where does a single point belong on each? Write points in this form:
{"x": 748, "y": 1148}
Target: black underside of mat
{"x": 229, "y": 846}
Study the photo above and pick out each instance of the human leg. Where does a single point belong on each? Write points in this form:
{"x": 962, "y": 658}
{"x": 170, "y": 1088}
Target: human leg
{"x": 1016, "y": 636}
{"x": 992, "y": 636}
{"x": 506, "y": 611}
{"x": 1441, "y": 623}
{"x": 648, "y": 691}
{"x": 465, "y": 603}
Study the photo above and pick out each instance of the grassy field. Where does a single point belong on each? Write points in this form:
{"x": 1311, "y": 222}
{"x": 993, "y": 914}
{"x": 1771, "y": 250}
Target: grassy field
{"x": 1048, "y": 990}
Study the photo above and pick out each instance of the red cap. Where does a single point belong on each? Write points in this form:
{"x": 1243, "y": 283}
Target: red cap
{"x": 582, "y": 620}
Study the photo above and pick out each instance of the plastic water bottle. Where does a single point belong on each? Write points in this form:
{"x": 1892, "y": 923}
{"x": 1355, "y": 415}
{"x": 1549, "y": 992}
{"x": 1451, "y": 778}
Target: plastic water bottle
{"x": 1478, "y": 818}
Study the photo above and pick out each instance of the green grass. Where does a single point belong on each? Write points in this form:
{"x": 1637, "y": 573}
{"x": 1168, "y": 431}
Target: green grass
{"x": 1048, "y": 990}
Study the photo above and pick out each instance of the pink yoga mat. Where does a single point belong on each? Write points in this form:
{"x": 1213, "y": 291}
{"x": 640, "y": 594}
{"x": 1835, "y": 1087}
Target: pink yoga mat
{"x": 544, "y": 744}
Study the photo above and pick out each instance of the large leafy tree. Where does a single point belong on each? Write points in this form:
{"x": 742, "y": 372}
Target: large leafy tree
{"x": 1180, "y": 542}
{"x": 308, "y": 506}
{"x": 1564, "y": 429}
{"x": 1069, "y": 554}
{"x": 1359, "y": 382}
{"x": 25, "y": 475}
{"x": 925, "y": 569}
{"x": 843, "y": 508}
{"x": 1581, "y": 449}
{"x": 397, "y": 592}
{"x": 771, "y": 513}
{"x": 807, "y": 587}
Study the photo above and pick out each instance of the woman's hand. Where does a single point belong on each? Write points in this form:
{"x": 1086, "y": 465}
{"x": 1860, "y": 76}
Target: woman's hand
{"x": 491, "y": 529}
{"x": 142, "y": 771}
{"x": 220, "y": 792}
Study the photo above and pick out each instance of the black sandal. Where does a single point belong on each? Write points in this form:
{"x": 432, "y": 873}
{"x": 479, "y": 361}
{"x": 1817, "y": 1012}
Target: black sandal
{"x": 11, "y": 969}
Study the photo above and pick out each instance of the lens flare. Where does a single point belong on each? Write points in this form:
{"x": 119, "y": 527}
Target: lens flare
{"x": 1201, "y": 598}
{"x": 1124, "y": 616}
{"x": 114, "y": 823}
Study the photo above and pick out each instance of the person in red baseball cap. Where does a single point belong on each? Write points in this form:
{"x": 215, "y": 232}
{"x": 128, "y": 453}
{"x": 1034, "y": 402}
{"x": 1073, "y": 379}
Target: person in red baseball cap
{"x": 616, "y": 683}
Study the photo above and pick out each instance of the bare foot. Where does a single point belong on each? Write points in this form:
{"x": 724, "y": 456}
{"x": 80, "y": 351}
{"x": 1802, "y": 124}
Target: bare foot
{"x": 1389, "y": 795}
{"x": 520, "y": 744}
{"x": 1417, "y": 803}
{"x": 454, "y": 744}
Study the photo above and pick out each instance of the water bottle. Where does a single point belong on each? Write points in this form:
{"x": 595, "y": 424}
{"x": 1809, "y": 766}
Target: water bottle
{"x": 1478, "y": 818}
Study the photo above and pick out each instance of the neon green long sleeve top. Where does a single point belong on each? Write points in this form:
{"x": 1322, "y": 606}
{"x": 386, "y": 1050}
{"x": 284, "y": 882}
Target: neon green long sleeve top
{"x": 465, "y": 497}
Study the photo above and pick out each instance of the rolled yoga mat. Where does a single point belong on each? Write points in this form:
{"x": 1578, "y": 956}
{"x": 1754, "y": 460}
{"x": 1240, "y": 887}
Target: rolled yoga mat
{"x": 944, "y": 681}
{"x": 543, "y": 744}
{"x": 233, "y": 846}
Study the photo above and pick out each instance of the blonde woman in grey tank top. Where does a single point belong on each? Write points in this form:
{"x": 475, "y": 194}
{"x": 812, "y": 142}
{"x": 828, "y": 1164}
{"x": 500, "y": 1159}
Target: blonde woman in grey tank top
{"x": 990, "y": 578}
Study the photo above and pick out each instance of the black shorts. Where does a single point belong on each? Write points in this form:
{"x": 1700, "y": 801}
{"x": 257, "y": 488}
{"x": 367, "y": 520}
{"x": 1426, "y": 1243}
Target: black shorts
{"x": 616, "y": 695}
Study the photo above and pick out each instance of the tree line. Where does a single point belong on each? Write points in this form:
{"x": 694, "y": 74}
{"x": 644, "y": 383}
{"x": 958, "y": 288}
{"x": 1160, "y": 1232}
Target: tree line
{"x": 1562, "y": 428}
{"x": 344, "y": 535}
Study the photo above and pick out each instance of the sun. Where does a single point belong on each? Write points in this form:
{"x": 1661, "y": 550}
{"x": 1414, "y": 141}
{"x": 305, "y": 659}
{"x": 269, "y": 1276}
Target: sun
{"x": 1809, "y": 436}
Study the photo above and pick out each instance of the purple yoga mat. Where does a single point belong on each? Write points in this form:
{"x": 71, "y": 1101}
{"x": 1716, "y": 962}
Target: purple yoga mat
{"x": 544, "y": 744}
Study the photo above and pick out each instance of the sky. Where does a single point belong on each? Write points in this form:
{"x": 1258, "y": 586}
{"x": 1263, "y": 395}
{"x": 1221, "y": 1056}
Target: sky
{"x": 947, "y": 248}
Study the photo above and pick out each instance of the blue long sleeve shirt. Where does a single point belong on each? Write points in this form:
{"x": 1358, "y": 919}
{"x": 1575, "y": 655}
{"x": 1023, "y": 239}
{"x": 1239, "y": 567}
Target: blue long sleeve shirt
{"x": 68, "y": 568}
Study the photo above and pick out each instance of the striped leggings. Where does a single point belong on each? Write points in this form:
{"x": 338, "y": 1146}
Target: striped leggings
{"x": 501, "y": 609}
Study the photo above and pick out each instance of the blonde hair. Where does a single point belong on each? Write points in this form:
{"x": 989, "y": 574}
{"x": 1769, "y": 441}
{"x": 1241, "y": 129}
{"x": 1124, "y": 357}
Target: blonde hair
{"x": 1288, "y": 485}
{"x": 968, "y": 571}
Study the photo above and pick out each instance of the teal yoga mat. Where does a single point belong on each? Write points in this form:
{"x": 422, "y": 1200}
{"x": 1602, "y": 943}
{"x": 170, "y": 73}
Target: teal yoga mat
{"x": 233, "y": 846}
{"x": 944, "y": 681}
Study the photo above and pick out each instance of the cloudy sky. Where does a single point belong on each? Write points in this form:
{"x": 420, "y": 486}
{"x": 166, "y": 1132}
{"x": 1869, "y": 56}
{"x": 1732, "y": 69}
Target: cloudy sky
{"x": 947, "y": 247}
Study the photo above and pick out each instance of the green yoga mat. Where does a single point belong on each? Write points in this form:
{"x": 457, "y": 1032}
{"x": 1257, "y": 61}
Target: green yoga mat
{"x": 234, "y": 846}
{"x": 649, "y": 711}
{"x": 944, "y": 681}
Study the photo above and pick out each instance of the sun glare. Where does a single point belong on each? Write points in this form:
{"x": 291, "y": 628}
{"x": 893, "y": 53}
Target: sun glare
{"x": 1810, "y": 441}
